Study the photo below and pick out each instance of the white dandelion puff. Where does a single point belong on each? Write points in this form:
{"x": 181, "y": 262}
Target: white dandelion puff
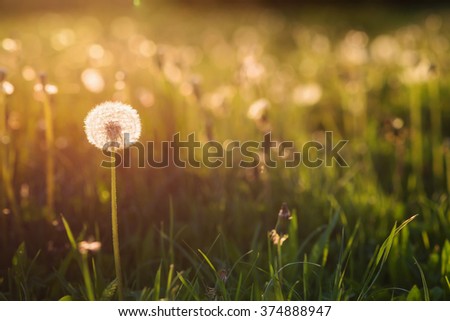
{"x": 258, "y": 109}
{"x": 112, "y": 124}
{"x": 307, "y": 94}
{"x": 7, "y": 87}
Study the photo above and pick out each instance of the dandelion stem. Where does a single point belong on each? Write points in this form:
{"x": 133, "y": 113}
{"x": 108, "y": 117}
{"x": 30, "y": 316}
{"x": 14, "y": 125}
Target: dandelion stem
{"x": 436, "y": 127}
{"x": 171, "y": 249}
{"x": 50, "y": 162}
{"x": 115, "y": 227}
{"x": 447, "y": 166}
{"x": 416, "y": 138}
{"x": 6, "y": 171}
{"x": 280, "y": 264}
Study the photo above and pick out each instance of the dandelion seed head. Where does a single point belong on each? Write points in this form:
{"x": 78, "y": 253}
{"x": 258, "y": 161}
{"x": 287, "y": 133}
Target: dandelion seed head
{"x": 397, "y": 123}
{"x": 385, "y": 49}
{"x": 420, "y": 73}
{"x": 307, "y": 94}
{"x": 7, "y": 87}
{"x": 112, "y": 122}
{"x": 258, "y": 109}
{"x": 10, "y": 45}
{"x": 28, "y": 73}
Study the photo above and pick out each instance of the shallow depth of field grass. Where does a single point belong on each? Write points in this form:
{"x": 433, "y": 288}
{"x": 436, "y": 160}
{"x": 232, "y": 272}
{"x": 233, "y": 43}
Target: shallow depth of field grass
{"x": 377, "y": 78}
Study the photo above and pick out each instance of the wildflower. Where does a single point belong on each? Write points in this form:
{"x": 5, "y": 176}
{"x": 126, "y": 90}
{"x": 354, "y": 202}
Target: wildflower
{"x": 280, "y": 233}
{"x": 109, "y": 122}
{"x": 92, "y": 246}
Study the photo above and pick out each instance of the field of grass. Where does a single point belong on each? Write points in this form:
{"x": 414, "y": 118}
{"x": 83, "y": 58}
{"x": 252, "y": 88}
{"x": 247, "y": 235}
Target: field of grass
{"x": 377, "y": 229}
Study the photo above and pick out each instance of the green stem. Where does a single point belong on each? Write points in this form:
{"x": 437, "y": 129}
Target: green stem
{"x": 50, "y": 163}
{"x": 7, "y": 173}
{"x": 87, "y": 277}
{"x": 447, "y": 166}
{"x": 436, "y": 128}
{"x": 416, "y": 138}
{"x": 171, "y": 241}
{"x": 279, "y": 274}
{"x": 115, "y": 227}
{"x": 280, "y": 265}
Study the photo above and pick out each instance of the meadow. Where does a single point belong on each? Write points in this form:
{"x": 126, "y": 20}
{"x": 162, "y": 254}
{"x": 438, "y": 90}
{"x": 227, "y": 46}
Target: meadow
{"x": 377, "y": 229}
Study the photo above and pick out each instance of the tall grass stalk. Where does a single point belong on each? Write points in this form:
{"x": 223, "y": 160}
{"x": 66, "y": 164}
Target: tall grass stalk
{"x": 87, "y": 277}
{"x": 115, "y": 227}
{"x": 416, "y": 137}
{"x": 447, "y": 167}
{"x": 6, "y": 168}
{"x": 436, "y": 131}
{"x": 50, "y": 160}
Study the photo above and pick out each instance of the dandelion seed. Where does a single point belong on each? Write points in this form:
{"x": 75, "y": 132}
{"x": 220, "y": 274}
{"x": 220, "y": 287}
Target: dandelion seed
{"x": 109, "y": 122}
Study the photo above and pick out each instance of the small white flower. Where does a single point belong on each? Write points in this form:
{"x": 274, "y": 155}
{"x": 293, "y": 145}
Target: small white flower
{"x": 112, "y": 122}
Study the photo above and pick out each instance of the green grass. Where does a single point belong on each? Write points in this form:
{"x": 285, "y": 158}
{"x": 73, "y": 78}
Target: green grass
{"x": 375, "y": 230}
